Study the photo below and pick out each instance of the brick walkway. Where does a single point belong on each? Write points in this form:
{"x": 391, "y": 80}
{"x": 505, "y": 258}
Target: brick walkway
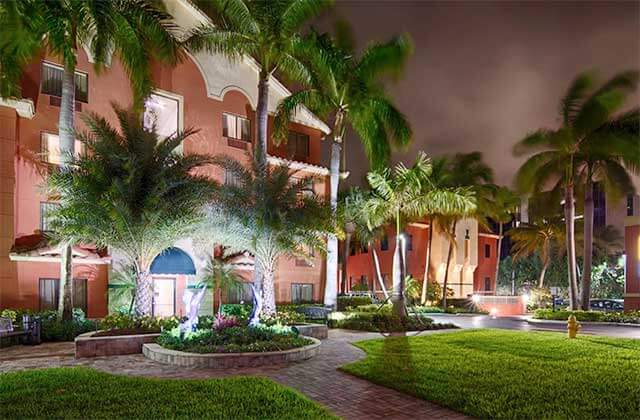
{"x": 347, "y": 396}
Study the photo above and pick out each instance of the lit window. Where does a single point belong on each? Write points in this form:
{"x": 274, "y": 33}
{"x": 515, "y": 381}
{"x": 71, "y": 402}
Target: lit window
{"x": 161, "y": 112}
{"x": 45, "y": 217}
{"x": 52, "y": 82}
{"x": 236, "y": 127}
{"x": 298, "y": 146}
{"x": 50, "y": 148}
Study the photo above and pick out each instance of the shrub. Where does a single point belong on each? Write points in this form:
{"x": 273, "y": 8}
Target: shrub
{"x": 345, "y": 302}
{"x": 589, "y": 316}
{"x": 145, "y": 323}
{"x": 382, "y": 322}
{"x": 52, "y": 328}
{"x": 240, "y": 311}
{"x": 360, "y": 287}
{"x": 234, "y": 339}
{"x": 11, "y": 314}
{"x": 221, "y": 322}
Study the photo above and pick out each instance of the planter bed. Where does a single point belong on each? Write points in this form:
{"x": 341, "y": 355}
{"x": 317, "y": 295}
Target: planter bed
{"x": 90, "y": 345}
{"x": 319, "y": 331}
{"x": 160, "y": 354}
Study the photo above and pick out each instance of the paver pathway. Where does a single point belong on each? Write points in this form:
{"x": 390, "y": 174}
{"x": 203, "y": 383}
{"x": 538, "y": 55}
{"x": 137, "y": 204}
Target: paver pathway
{"x": 347, "y": 396}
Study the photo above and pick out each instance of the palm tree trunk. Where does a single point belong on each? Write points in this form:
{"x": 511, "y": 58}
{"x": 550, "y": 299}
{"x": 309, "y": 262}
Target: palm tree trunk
{"x": 569, "y": 215}
{"x": 397, "y": 298}
{"x": 347, "y": 250}
{"x": 268, "y": 291}
{"x": 331, "y": 283}
{"x": 446, "y": 272}
{"x": 427, "y": 265}
{"x": 262, "y": 116}
{"x": 498, "y": 253}
{"x": 542, "y": 274}
{"x": 67, "y": 141}
{"x": 256, "y": 298}
{"x": 376, "y": 265}
{"x": 144, "y": 293}
{"x": 588, "y": 243}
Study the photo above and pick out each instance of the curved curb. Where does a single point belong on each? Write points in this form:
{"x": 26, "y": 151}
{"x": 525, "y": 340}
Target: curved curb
{"x": 159, "y": 354}
{"x": 608, "y": 324}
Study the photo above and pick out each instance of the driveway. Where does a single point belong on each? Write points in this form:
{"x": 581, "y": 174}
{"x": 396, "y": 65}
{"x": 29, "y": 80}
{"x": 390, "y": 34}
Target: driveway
{"x": 521, "y": 324}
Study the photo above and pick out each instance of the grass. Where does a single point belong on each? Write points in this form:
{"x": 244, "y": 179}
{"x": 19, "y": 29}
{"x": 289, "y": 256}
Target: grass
{"x": 510, "y": 374}
{"x": 86, "y": 393}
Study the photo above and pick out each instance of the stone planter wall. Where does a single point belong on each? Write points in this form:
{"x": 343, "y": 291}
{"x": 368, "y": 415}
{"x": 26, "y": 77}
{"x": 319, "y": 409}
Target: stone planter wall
{"x": 229, "y": 360}
{"x": 318, "y": 331}
{"x": 89, "y": 346}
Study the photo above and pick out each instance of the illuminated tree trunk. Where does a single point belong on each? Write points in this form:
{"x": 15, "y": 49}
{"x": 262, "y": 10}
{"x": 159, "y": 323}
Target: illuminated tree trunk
{"x": 347, "y": 249}
{"x": 144, "y": 293}
{"x": 268, "y": 291}
{"x": 569, "y": 214}
{"x": 498, "y": 253}
{"x": 588, "y": 243}
{"x": 397, "y": 298}
{"x": 256, "y": 289}
{"x": 446, "y": 273}
{"x": 376, "y": 265}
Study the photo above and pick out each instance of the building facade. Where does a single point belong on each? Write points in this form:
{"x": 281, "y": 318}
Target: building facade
{"x": 471, "y": 269}
{"x": 205, "y": 91}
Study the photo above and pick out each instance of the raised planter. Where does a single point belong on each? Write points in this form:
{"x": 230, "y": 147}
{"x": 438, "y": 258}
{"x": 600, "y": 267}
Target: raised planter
{"x": 159, "y": 354}
{"x": 89, "y": 346}
{"x": 319, "y": 331}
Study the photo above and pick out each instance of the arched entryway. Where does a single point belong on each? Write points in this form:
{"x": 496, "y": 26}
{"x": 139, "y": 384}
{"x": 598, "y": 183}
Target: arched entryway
{"x": 170, "y": 271}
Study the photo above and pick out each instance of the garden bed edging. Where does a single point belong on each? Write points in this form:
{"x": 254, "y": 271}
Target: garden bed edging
{"x": 89, "y": 346}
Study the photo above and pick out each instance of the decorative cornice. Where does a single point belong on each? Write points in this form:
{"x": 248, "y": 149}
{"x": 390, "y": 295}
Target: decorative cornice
{"x": 302, "y": 166}
{"x": 24, "y": 107}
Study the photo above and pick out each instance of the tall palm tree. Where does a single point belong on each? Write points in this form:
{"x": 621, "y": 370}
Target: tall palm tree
{"x": 503, "y": 205}
{"x": 137, "y": 30}
{"x": 545, "y": 236}
{"x": 268, "y": 213}
{"x": 408, "y": 192}
{"x": 349, "y": 88}
{"x": 463, "y": 171}
{"x": 591, "y": 143}
{"x": 130, "y": 191}
{"x": 266, "y": 30}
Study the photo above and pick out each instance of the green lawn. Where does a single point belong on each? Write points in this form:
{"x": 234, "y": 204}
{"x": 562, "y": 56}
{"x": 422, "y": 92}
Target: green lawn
{"x": 509, "y": 374}
{"x": 86, "y": 393}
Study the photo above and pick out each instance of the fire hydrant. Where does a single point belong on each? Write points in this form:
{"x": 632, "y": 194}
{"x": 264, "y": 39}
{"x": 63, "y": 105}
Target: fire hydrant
{"x": 573, "y": 326}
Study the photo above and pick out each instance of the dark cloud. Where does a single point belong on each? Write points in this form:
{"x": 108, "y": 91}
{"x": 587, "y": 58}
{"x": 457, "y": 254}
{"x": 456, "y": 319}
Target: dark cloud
{"x": 485, "y": 73}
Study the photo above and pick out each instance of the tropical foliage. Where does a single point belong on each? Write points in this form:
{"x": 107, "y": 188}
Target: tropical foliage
{"x": 594, "y": 143}
{"x": 220, "y": 275}
{"x": 271, "y": 214}
{"x": 130, "y": 191}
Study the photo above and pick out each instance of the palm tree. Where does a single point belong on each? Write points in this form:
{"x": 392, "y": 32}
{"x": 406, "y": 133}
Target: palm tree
{"x": 220, "y": 275}
{"x": 591, "y": 143}
{"x": 349, "y": 214}
{"x": 132, "y": 192}
{"x": 463, "y": 171}
{"x": 350, "y": 89}
{"x": 266, "y": 30}
{"x": 503, "y": 204}
{"x": 408, "y": 192}
{"x": 122, "y": 281}
{"x": 137, "y": 30}
{"x": 545, "y": 236}
{"x": 270, "y": 214}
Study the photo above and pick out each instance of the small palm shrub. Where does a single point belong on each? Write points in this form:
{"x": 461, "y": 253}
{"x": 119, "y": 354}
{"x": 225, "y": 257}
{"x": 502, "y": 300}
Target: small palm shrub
{"x": 345, "y": 302}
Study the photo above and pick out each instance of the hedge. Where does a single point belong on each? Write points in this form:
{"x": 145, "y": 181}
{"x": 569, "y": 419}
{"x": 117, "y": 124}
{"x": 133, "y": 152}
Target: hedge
{"x": 589, "y": 316}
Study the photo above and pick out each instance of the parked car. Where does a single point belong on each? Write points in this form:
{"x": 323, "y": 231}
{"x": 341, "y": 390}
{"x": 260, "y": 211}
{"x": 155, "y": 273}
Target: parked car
{"x": 607, "y": 305}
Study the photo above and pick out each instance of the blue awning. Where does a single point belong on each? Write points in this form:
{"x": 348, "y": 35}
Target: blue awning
{"x": 173, "y": 261}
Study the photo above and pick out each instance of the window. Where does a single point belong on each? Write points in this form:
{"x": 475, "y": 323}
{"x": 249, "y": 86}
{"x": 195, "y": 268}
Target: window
{"x": 45, "y": 218}
{"x": 301, "y": 292}
{"x": 352, "y": 248}
{"x": 241, "y": 293}
{"x": 52, "y": 82}
{"x": 487, "y": 251}
{"x": 298, "y": 145}
{"x": 50, "y": 294}
{"x": 236, "y": 127}
{"x": 162, "y": 113}
{"x": 487, "y": 284}
{"x": 50, "y": 148}
{"x": 384, "y": 243}
{"x": 630, "y": 205}
{"x": 364, "y": 248}
{"x": 231, "y": 179}
{"x": 409, "y": 242}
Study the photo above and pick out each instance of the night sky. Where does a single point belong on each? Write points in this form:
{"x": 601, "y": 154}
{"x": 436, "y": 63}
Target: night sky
{"x": 484, "y": 73}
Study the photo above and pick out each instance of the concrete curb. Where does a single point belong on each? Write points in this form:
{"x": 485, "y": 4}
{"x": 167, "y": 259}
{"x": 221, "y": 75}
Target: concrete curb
{"x": 555, "y": 322}
{"x": 159, "y": 354}
{"x": 115, "y": 345}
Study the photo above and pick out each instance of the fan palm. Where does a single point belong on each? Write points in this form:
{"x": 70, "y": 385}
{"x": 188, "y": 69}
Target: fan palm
{"x": 409, "y": 192}
{"x": 130, "y": 191}
{"x": 269, "y": 213}
{"x": 137, "y": 30}
{"x": 463, "y": 171}
{"x": 592, "y": 143}
{"x": 349, "y": 88}
{"x": 266, "y": 30}
{"x": 122, "y": 282}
